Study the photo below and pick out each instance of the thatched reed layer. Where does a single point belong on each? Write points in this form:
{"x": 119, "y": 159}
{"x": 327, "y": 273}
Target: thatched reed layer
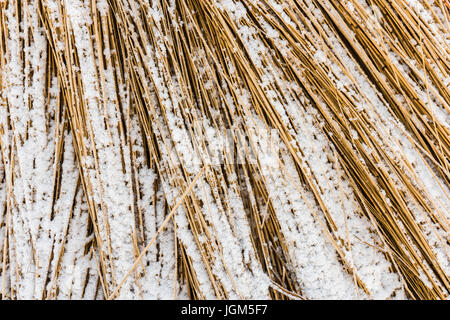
{"x": 246, "y": 149}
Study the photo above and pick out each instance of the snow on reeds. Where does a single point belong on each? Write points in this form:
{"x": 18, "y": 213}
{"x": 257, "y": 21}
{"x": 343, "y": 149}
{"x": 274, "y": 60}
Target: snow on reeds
{"x": 224, "y": 149}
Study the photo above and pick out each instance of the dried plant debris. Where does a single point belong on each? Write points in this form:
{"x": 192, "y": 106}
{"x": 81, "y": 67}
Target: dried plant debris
{"x": 224, "y": 149}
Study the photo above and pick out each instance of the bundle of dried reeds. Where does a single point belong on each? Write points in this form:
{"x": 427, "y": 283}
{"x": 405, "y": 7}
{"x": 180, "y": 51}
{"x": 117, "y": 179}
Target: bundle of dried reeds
{"x": 230, "y": 149}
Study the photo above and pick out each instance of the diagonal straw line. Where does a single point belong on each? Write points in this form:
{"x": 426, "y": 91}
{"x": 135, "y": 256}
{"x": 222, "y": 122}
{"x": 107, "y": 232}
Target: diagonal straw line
{"x": 180, "y": 201}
